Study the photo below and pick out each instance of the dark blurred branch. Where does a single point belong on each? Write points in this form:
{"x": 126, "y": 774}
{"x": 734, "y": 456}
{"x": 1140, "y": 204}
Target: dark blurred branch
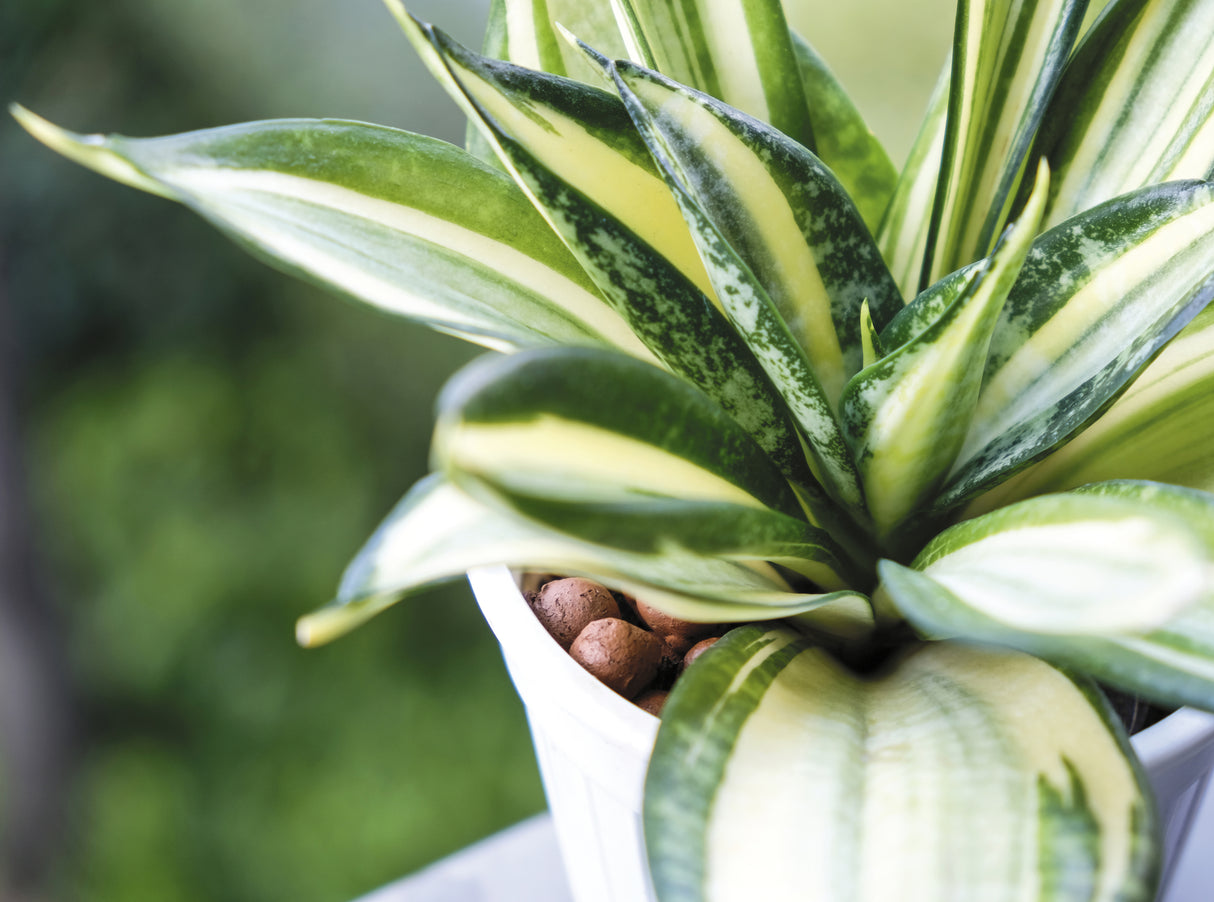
{"x": 34, "y": 706}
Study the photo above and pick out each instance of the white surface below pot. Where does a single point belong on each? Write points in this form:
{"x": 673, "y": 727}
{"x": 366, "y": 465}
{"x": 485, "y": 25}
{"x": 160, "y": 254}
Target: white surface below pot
{"x": 593, "y": 748}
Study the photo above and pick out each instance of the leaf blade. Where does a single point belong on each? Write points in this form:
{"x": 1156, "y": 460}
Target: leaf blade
{"x": 368, "y": 211}
{"x": 1135, "y": 106}
{"x": 1098, "y": 296}
{"x": 438, "y": 532}
{"x": 778, "y": 774}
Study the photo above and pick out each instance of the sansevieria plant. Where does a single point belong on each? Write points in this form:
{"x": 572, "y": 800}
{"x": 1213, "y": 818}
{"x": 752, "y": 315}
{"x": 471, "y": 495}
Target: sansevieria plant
{"x": 951, "y": 430}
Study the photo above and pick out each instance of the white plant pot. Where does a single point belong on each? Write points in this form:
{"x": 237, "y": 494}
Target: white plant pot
{"x": 593, "y": 748}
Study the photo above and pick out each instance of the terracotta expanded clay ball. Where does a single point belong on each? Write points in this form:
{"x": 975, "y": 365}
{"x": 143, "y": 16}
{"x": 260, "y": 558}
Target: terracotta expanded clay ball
{"x": 698, "y": 649}
{"x": 623, "y": 657}
{"x": 679, "y": 634}
{"x": 566, "y": 606}
{"x": 652, "y": 701}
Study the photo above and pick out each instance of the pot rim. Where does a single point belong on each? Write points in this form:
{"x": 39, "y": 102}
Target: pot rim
{"x": 1172, "y": 738}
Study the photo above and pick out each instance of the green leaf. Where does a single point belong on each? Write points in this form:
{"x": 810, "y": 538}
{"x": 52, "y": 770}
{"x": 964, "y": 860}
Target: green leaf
{"x": 1007, "y": 57}
{"x": 404, "y": 222}
{"x": 759, "y": 206}
{"x": 669, "y": 313}
{"x": 956, "y": 773}
{"x": 1135, "y": 106}
{"x": 1170, "y": 661}
{"x": 438, "y": 532}
{"x": 1098, "y": 296}
{"x": 534, "y": 41}
{"x": 785, "y": 214}
{"x": 907, "y": 220}
{"x": 1161, "y": 429}
{"x": 907, "y": 415}
{"x": 581, "y": 135}
{"x": 1062, "y": 565}
{"x": 738, "y": 51}
{"x": 842, "y": 139}
{"x": 617, "y": 452}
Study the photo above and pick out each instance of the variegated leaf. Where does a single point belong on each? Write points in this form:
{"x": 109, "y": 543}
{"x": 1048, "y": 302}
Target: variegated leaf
{"x": 582, "y": 135}
{"x": 957, "y": 773}
{"x": 1007, "y": 57}
{"x": 842, "y": 139}
{"x": 902, "y": 235}
{"x": 533, "y": 40}
{"x": 1098, "y": 296}
{"x": 667, "y": 311}
{"x": 619, "y": 453}
{"x": 401, "y": 221}
{"x": 438, "y": 532}
{"x": 1135, "y": 106}
{"x": 1161, "y": 429}
{"x": 785, "y": 214}
{"x": 906, "y": 415}
{"x": 1169, "y": 659}
{"x": 1062, "y": 565}
{"x": 738, "y": 51}
{"x": 758, "y": 206}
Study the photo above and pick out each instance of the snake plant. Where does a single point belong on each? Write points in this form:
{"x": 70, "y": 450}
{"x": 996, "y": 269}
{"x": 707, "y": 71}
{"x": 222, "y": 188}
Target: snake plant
{"x": 943, "y": 438}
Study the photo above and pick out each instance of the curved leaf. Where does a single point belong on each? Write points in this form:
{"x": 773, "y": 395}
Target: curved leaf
{"x": 407, "y": 223}
{"x": 1161, "y": 429}
{"x": 738, "y": 51}
{"x": 907, "y": 415}
{"x": 438, "y": 532}
{"x": 786, "y": 216}
{"x": 619, "y": 453}
{"x": 1062, "y": 565}
{"x": 1098, "y": 296}
{"x": 667, "y": 311}
{"x": 957, "y": 773}
{"x": 1135, "y": 106}
{"x": 842, "y": 139}
{"x": 748, "y": 262}
{"x": 1171, "y": 663}
{"x": 1007, "y": 57}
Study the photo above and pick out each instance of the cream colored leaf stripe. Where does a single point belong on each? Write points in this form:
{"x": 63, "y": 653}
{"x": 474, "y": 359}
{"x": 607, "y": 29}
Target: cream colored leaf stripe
{"x": 1100, "y": 566}
{"x": 1135, "y": 106}
{"x": 1007, "y": 57}
{"x": 1097, "y": 297}
{"x": 370, "y": 212}
{"x": 1162, "y": 428}
{"x": 665, "y": 310}
{"x": 739, "y": 51}
{"x": 438, "y": 533}
{"x": 902, "y": 235}
{"x": 907, "y": 415}
{"x": 666, "y": 117}
{"x": 915, "y": 785}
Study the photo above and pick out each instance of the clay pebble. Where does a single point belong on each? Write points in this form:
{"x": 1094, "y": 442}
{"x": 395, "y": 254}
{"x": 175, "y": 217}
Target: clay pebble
{"x": 698, "y": 649}
{"x": 680, "y": 635}
{"x": 652, "y": 701}
{"x": 623, "y": 657}
{"x": 566, "y": 606}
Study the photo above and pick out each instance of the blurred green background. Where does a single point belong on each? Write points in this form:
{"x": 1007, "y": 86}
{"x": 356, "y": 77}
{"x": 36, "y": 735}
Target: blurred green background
{"x": 195, "y": 446}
